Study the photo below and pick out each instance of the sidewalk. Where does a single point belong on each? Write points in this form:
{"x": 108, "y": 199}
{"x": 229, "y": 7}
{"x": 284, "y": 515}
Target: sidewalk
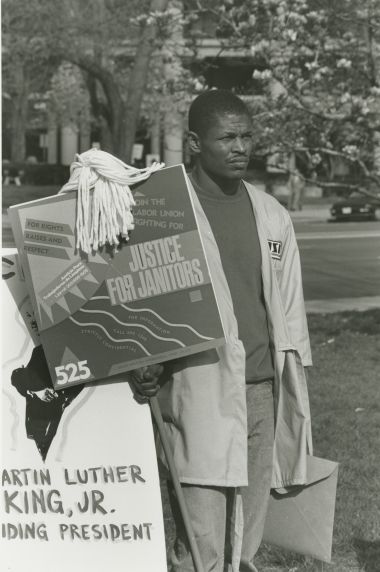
{"x": 342, "y": 305}
{"x": 312, "y": 213}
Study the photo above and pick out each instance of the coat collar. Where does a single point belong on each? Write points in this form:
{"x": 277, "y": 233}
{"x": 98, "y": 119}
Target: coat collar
{"x": 274, "y": 306}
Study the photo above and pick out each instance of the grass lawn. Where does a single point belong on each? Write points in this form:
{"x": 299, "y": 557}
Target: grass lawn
{"x": 344, "y": 394}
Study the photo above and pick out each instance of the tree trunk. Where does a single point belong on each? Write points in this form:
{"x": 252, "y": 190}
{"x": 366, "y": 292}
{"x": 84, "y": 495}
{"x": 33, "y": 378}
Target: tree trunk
{"x": 144, "y": 50}
{"x": 114, "y": 110}
{"x": 373, "y": 50}
{"x": 173, "y": 124}
{"x": 19, "y": 112}
{"x": 107, "y": 142}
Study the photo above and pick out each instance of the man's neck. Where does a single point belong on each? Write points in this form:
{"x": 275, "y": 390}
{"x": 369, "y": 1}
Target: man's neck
{"x": 212, "y": 184}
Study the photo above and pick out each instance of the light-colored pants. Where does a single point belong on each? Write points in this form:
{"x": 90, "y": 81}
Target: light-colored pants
{"x": 211, "y": 509}
{"x": 296, "y": 191}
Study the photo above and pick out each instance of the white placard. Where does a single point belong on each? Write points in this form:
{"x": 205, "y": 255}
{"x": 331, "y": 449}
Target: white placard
{"x": 94, "y": 503}
{"x": 137, "y": 151}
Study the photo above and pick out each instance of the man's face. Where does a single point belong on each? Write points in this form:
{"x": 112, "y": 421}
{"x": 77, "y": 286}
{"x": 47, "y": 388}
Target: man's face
{"x": 224, "y": 149}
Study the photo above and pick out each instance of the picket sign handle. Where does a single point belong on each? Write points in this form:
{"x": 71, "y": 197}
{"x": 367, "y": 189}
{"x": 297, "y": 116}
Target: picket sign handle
{"x": 156, "y": 412}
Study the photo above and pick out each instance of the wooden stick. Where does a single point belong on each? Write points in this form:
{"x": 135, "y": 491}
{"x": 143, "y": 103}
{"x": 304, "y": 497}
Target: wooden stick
{"x": 156, "y": 412}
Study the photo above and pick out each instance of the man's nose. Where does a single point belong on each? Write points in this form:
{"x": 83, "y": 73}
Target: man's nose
{"x": 239, "y": 145}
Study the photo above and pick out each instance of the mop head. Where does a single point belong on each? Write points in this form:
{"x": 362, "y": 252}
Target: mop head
{"x": 107, "y": 217}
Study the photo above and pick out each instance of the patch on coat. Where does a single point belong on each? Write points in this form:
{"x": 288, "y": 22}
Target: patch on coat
{"x": 275, "y": 247}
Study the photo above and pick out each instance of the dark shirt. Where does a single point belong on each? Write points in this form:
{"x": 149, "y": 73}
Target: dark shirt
{"x": 233, "y": 223}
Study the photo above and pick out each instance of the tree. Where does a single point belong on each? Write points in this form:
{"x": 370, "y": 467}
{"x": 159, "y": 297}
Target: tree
{"x": 27, "y": 66}
{"x": 315, "y": 88}
{"x": 317, "y": 76}
{"x": 113, "y": 43}
{"x": 69, "y": 102}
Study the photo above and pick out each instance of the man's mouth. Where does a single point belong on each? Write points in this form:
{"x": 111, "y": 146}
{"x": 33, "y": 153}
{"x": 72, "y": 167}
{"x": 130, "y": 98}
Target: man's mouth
{"x": 238, "y": 162}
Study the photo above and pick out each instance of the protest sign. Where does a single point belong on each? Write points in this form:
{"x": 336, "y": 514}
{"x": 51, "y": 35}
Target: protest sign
{"x": 107, "y": 313}
{"x": 94, "y": 502}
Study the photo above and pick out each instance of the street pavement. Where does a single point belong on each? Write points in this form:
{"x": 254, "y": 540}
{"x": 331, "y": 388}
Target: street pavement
{"x": 339, "y": 270}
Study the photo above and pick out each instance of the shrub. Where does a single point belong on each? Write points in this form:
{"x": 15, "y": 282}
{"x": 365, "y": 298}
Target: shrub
{"x": 39, "y": 173}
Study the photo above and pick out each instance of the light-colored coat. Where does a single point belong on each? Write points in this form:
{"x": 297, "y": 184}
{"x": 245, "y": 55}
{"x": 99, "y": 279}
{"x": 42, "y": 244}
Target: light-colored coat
{"x": 204, "y": 404}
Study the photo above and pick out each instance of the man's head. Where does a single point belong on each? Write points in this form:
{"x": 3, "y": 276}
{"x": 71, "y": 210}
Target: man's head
{"x": 220, "y": 134}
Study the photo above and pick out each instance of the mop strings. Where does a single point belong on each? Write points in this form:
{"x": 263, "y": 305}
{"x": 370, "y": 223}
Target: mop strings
{"x": 106, "y": 215}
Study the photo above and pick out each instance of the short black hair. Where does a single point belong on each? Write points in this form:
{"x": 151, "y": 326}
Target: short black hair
{"x": 210, "y": 104}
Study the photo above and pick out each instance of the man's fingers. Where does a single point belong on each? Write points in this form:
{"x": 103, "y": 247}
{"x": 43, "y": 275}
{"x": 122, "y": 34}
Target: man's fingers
{"x": 141, "y": 399}
{"x": 150, "y": 392}
{"x": 141, "y": 394}
{"x": 155, "y": 370}
{"x": 147, "y": 389}
{"x": 149, "y": 374}
{"x": 51, "y": 393}
{"x": 145, "y": 382}
{"x": 146, "y": 386}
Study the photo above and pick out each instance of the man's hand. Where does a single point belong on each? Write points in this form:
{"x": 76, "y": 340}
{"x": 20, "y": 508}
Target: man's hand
{"x": 144, "y": 381}
{"x": 46, "y": 394}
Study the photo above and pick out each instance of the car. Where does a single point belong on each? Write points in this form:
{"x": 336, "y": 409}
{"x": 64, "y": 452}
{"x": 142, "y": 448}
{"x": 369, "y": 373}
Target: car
{"x": 356, "y": 206}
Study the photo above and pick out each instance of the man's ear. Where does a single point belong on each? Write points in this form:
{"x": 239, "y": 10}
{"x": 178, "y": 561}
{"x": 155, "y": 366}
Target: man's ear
{"x": 194, "y": 142}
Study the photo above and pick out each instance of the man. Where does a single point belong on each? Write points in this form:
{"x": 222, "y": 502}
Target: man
{"x": 44, "y": 406}
{"x": 296, "y": 185}
{"x": 237, "y": 417}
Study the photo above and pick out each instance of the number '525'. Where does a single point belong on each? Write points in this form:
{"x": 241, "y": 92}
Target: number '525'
{"x": 72, "y": 372}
